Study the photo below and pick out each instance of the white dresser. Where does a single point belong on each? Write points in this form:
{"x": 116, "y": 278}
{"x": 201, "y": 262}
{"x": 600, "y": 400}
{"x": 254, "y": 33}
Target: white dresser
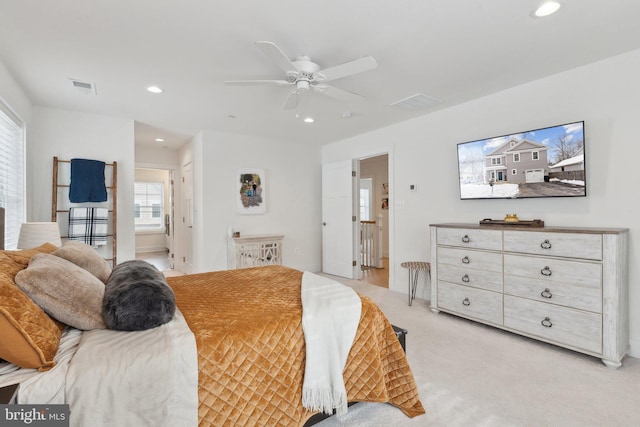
{"x": 565, "y": 286}
{"x": 254, "y": 251}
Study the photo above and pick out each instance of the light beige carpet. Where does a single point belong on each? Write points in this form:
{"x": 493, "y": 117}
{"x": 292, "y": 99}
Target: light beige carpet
{"x": 473, "y": 375}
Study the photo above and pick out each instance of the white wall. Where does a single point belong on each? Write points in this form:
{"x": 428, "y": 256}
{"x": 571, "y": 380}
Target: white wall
{"x": 292, "y": 186}
{"x": 605, "y": 95}
{"x": 13, "y": 95}
{"x": 160, "y": 158}
{"x": 69, "y": 134}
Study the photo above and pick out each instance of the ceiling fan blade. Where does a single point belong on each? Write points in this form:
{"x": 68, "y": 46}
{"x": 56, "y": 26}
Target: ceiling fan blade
{"x": 256, "y": 82}
{"x": 273, "y": 51}
{"x": 336, "y": 93}
{"x": 292, "y": 100}
{"x": 353, "y": 67}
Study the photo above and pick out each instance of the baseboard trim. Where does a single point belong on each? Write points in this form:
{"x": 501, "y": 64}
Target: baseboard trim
{"x": 145, "y": 249}
{"x": 634, "y": 348}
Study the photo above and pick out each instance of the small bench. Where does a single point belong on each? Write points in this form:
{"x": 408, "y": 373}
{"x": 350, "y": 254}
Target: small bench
{"x": 415, "y": 267}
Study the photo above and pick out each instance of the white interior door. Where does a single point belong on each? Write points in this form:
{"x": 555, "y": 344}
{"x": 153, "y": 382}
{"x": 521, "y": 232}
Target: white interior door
{"x": 170, "y": 233}
{"x": 339, "y": 219}
{"x": 187, "y": 217}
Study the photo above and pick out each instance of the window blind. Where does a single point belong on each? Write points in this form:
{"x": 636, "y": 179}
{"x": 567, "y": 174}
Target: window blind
{"x": 12, "y": 167}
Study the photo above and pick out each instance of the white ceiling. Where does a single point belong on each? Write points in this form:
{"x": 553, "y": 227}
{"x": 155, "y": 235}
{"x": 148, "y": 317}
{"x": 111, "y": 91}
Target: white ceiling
{"x": 450, "y": 50}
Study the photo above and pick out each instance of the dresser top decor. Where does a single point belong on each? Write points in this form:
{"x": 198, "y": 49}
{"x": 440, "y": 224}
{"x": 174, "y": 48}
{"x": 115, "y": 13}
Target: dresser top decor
{"x": 511, "y": 222}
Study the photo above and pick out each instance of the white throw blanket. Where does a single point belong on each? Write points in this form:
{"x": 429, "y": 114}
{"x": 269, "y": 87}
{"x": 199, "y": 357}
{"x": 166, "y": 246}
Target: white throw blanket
{"x": 89, "y": 225}
{"x": 330, "y": 318}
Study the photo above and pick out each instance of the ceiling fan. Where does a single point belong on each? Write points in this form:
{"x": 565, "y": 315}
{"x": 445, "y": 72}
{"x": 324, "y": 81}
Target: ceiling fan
{"x": 304, "y": 75}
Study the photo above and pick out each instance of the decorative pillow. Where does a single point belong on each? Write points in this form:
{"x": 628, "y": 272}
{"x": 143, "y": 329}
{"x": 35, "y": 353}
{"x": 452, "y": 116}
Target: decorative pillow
{"x": 64, "y": 290}
{"x": 28, "y": 336}
{"x": 86, "y": 257}
{"x": 137, "y": 297}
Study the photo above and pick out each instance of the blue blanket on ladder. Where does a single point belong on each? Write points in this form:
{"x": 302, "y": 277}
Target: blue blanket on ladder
{"x": 87, "y": 181}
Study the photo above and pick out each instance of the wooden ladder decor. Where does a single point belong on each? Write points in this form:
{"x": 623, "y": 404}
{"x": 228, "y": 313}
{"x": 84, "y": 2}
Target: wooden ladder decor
{"x": 62, "y": 181}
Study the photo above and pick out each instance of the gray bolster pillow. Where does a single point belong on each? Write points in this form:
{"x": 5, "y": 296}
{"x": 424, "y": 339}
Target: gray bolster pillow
{"x": 137, "y": 297}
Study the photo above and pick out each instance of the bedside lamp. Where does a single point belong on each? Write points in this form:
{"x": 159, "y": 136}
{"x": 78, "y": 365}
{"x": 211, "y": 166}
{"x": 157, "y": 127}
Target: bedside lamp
{"x": 33, "y": 234}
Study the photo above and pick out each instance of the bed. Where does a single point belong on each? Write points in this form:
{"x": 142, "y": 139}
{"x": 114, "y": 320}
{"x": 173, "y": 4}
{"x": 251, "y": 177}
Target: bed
{"x": 233, "y": 355}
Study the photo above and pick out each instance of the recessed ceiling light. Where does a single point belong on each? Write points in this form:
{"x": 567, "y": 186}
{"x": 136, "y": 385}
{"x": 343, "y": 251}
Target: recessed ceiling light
{"x": 159, "y": 139}
{"x": 154, "y": 89}
{"x": 308, "y": 120}
{"x": 546, "y": 9}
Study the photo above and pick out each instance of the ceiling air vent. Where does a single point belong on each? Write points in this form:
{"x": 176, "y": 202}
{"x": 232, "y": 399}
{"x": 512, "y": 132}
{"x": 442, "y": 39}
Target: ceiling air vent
{"x": 416, "y": 102}
{"x": 86, "y": 88}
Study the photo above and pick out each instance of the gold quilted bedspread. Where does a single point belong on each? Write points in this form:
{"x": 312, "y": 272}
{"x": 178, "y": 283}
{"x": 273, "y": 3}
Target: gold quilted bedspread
{"x": 251, "y": 349}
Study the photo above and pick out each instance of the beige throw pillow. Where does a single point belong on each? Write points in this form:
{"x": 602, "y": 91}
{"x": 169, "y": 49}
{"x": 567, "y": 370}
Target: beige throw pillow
{"x": 86, "y": 257}
{"x": 28, "y": 336}
{"x": 64, "y": 290}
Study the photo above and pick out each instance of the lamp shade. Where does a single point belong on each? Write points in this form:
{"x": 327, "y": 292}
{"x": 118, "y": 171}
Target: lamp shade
{"x": 33, "y": 234}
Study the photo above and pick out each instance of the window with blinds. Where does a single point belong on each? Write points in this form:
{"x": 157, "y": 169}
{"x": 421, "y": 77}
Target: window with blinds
{"x": 12, "y": 158}
{"x": 149, "y": 206}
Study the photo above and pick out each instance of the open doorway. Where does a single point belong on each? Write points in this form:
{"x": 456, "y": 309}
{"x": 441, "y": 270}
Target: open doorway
{"x": 154, "y": 212}
{"x": 374, "y": 220}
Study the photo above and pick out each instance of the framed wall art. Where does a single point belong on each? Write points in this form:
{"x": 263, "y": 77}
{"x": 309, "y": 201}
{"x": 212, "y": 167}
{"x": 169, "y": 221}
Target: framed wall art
{"x": 250, "y": 191}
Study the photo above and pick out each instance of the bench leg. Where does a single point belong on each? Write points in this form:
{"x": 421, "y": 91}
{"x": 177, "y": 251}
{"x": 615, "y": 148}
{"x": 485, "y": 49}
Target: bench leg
{"x": 413, "y": 284}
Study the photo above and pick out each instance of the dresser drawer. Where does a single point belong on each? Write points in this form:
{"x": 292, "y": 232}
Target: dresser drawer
{"x": 479, "y": 260}
{"x": 489, "y": 280}
{"x": 470, "y": 238}
{"x": 570, "y": 245}
{"x": 469, "y": 302}
{"x": 564, "y": 294}
{"x": 551, "y": 270}
{"x": 565, "y": 326}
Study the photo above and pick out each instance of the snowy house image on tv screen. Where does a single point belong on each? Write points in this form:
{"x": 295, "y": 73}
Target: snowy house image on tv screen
{"x": 546, "y": 162}
{"x": 517, "y": 161}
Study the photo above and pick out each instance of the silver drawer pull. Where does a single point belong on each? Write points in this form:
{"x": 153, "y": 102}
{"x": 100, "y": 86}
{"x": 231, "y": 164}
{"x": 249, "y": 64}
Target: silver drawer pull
{"x": 466, "y": 302}
{"x": 546, "y": 293}
{"x": 466, "y": 260}
{"x": 546, "y": 271}
{"x": 546, "y": 322}
{"x": 466, "y": 239}
{"x": 545, "y": 245}
{"x": 465, "y": 278}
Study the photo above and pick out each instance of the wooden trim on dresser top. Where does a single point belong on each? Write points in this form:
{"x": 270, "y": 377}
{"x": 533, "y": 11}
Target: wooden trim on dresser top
{"x": 551, "y": 229}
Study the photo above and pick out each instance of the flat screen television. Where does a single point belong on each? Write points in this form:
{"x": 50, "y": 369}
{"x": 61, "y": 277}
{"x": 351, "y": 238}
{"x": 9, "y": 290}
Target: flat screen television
{"x": 546, "y": 162}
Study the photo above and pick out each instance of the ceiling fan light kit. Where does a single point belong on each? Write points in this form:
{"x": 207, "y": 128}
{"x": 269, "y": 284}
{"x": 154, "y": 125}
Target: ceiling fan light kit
{"x": 306, "y": 75}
